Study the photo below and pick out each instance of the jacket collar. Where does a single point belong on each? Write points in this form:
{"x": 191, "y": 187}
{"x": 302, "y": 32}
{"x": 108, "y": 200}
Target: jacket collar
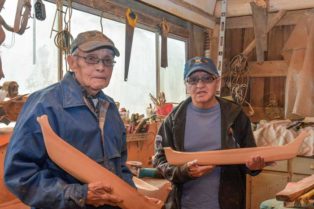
{"x": 72, "y": 92}
{"x": 229, "y": 112}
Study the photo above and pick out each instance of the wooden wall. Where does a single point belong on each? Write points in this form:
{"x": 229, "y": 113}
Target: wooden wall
{"x": 261, "y": 89}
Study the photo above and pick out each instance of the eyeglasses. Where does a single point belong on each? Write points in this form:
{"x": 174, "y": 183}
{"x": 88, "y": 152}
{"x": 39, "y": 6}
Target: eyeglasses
{"x": 204, "y": 79}
{"x": 93, "y": 60}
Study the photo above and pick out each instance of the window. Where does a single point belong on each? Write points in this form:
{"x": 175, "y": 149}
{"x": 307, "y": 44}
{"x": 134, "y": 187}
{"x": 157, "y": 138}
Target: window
{"x": 133, "y": 94}
{"x": 171, "y": 78}
{"x": 142, "y": 77}
{"x": 32, "y": 71}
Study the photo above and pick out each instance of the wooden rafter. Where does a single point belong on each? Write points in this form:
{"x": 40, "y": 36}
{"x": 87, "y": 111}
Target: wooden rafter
{"x": 270, "y": 25}
{"x": 291, "y": 18}
{"x": 182, "y": 12}
{"x": 193, "y": 8}
{"x": 242, "y": 7}
{"x": 259, "y": 14}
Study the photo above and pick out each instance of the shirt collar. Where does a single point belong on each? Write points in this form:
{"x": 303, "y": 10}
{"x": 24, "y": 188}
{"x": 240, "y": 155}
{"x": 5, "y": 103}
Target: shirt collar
{"x": 73, "y": 92}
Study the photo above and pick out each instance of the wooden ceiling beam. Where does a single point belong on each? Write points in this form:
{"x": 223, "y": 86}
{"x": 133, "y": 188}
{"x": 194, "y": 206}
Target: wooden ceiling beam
{"x": 183, "y": 12}
{"x": 290, "y": 18}
{"x": 242, "y": 7}
{"x": 207, "y": 5}
{"x": 260, "y": 26}
{"x": 192, "y": 8}
{"x": 276, "y": 68}
{"x": 148, "y": 18}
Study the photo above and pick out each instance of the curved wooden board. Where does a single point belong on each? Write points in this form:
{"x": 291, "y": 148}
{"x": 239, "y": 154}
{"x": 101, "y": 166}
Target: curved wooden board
{"x": 87, "y": 170}
{"x": 294, "y": 189}
{"x": 237, "y": 156}
{"x": 151, "y": 190}
{"x": 14, "y": 204}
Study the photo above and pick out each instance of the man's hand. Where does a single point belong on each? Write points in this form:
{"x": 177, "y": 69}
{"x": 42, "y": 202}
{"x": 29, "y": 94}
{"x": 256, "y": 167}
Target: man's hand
{"x": 153, "y": 200}
{"x": 99, "y": 194}
{"x": 257, "y": 163}
{"x": 196, "y": 170}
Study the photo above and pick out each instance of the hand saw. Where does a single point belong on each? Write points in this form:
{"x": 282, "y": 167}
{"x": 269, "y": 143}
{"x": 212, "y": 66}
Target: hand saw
{"x": 131, "y": 19}
{"x": 164, "y": 30}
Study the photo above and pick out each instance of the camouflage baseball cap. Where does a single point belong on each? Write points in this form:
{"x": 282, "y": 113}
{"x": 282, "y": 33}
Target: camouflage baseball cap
{"x": 92, "y": 40}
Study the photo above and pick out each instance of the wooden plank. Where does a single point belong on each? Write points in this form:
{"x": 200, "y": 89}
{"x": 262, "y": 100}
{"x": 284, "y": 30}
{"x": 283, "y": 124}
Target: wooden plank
{"x": 183, "y": 12}
{"x": 259, "y": 15}
{"x": 295, "y": 189}
{"x": 234, "y": 38}
{"x": 270, "y": 25}
{"x": 214, "y": 43}
{"x": 248, "y": 37}
{"x": 276, "y": 41}
{"x": 5, "y": 194}
{"x": 86, "y": 170}
{"x": 207, "y": 6}
{"x": 242, "y": 7}
{"x": 260, "y": 113}
{"x": 257, "y": 85}
{"x": 268, "y": 69}
{"x": 141, "y": 146}
{"x": 196, "y": 6}
{"x": 277, "y": 90}
{"x": 14, "y": 204}
{"x": 237, "y": 155}
{"x": 291, "y": 18}
{"x": 148, "y": 17}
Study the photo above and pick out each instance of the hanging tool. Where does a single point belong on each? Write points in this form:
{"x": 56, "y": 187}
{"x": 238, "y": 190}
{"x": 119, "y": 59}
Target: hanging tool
{"x": 164, "y": 30}
{"x": 222, "y": 35}
{"x": 40, "y": 11}
{"x": 20, "y": 22}
{"x": 131, "y": 19}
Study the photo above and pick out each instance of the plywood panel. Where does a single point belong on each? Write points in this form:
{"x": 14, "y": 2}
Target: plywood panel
{"x": 277, "y": 87}
{"x": 277, "y": 68}
{"x": 233, "y": 44}
{"x": 248, "y": 37}
{"x": 257, "y": 92}
{"x": 265, "y": 186}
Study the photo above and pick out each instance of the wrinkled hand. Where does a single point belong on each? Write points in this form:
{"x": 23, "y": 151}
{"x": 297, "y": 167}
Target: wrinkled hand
{"x": 99, "y": 194}
{"x": 257, "y": 163}
{"x": 196, "y": 170}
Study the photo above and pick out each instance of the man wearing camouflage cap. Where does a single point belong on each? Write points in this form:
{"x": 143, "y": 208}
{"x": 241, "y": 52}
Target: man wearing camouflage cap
{"x": 85, "y": 117}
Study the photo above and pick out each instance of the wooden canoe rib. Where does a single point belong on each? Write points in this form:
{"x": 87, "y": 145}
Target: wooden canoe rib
{"x": 151, "y": 190}
{"x": 87, "y": 170}
{"x": 294, "y": 189}
{"x": 14, "y": 204}
{"x": 236, "y": 156}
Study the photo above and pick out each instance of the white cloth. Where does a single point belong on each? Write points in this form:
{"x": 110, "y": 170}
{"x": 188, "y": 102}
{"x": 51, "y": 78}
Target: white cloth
{"x": 275, "y": 133}
{"x": 299, "y": 54}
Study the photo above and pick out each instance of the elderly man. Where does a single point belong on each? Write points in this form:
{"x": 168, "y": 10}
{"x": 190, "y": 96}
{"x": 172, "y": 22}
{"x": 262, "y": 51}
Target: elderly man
{"x": 82, "y": 114}
{"x": 200, "y": 123}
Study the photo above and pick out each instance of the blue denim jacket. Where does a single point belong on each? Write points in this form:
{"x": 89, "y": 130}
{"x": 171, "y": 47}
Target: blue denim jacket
{"x": 28, "y": 171}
